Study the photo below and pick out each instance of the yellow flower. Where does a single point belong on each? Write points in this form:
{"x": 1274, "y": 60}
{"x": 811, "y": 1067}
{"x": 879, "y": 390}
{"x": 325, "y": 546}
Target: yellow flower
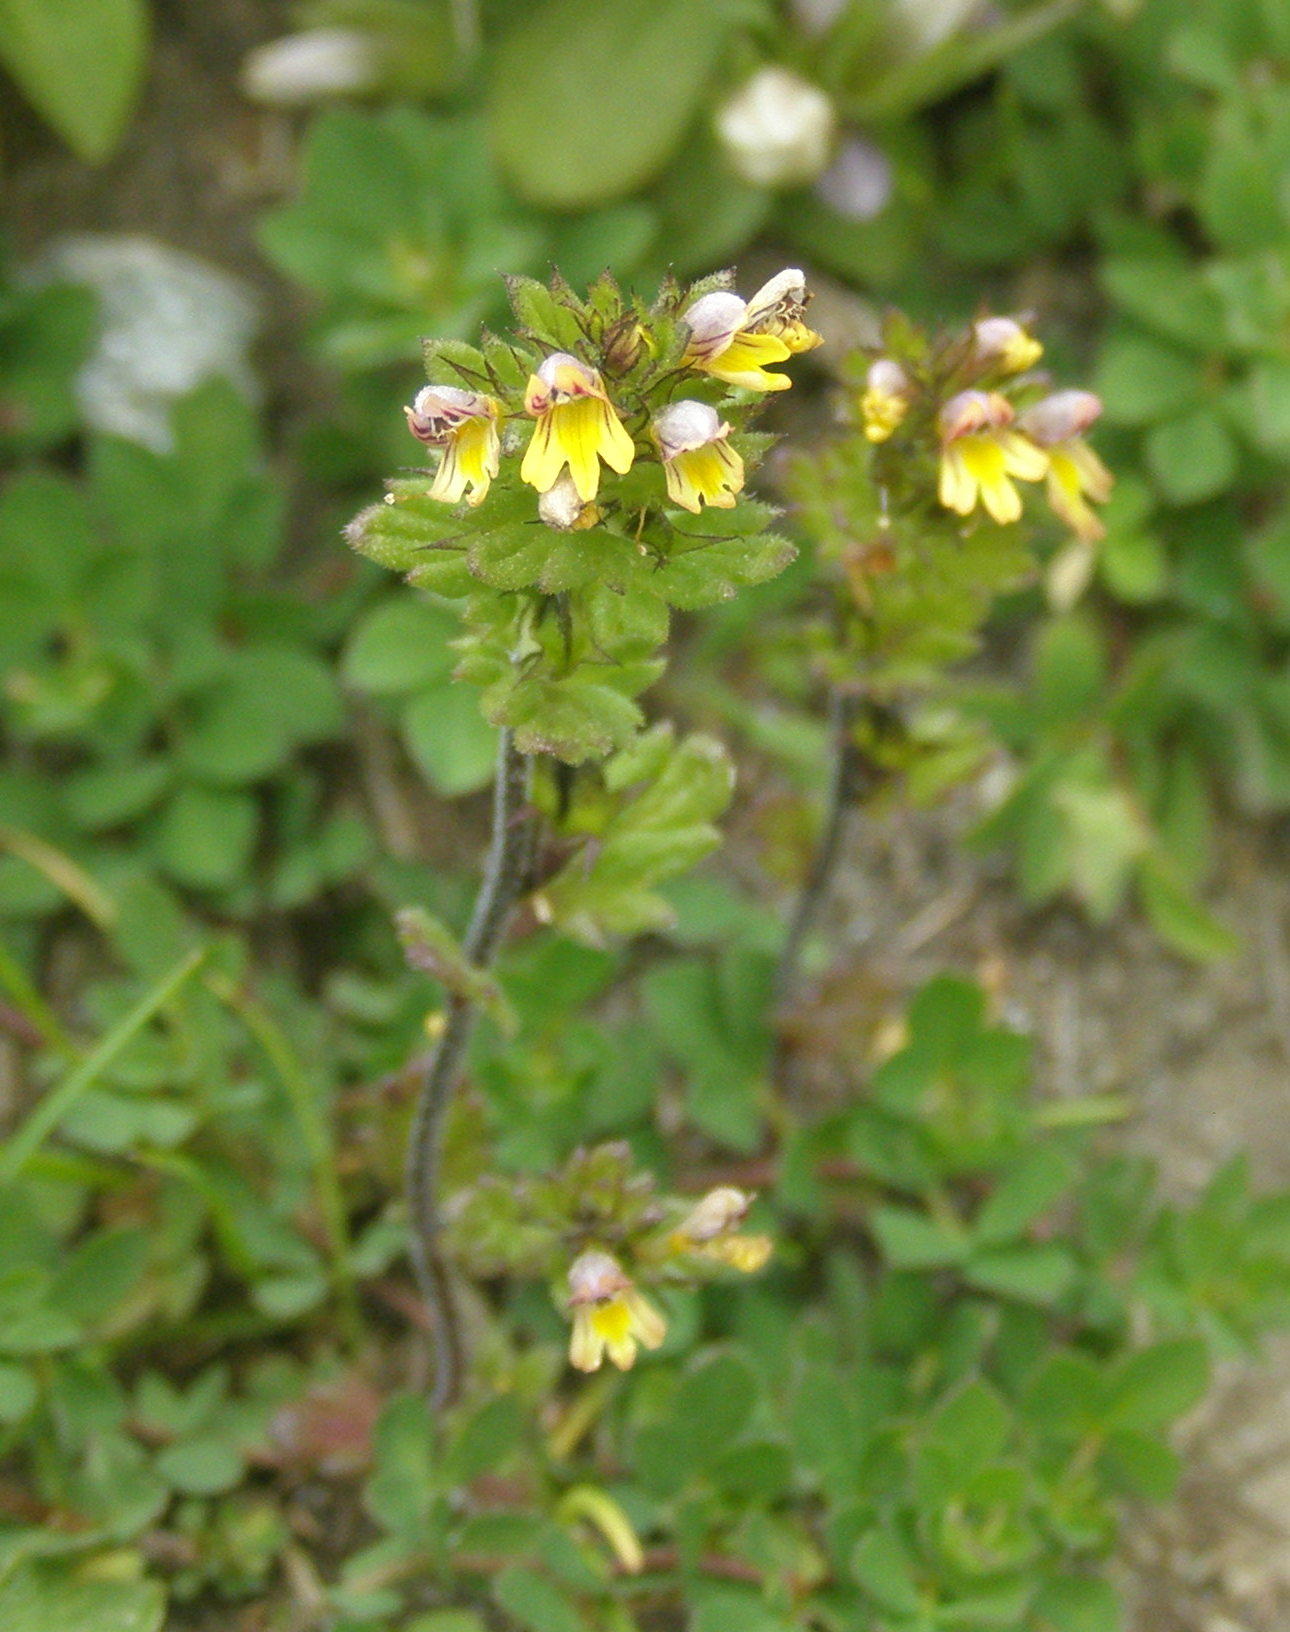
{"x": 1002, "y": 340}
{"x": 464, "y": 425}
{"x": 980, "y": 453}
{"x": 709, "y": 1230}
{"x": 576, "y": 426}
{"x": 886, "y": 398}
{"x": 1075, "y": 473}
{"x": 609, "y": 1315}
{"x": 734, "y": 340}
{"x": 700, "y": 465}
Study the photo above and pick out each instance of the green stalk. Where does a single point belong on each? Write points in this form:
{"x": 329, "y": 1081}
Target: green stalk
{"x": 13, "y": 978}
{"x": 54, "y": 1107}
{"x": 315, "y": 1133}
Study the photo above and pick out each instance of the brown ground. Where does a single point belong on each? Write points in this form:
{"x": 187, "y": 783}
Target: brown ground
{"x": 1204, "y": 1053}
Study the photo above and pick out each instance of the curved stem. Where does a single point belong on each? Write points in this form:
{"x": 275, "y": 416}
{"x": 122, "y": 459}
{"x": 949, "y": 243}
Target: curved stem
{"x": 846, "y": 780}
{"x": 506, "y": 870}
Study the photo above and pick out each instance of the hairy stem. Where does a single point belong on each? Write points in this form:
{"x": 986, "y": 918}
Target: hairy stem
{"x": 848, "y": 777}
{"x": 506, "y": 870}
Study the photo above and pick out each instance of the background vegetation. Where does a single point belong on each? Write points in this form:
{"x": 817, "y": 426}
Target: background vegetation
{"x": 234, "y": 749}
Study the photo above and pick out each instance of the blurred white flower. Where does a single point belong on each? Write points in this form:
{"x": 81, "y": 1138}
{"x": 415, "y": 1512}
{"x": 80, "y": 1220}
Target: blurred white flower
{"x": 777, "y": 129}
{"x": 167, "y": 321}
{"x": 926, "y": 23}
{"x": 817, "y": 16}
{"x": 311, "y": 66}
{"x": 857, "y": 184}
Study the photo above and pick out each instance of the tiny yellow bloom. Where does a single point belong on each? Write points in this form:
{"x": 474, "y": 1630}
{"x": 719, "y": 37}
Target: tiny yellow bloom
{"x": 698, "y": 462}
{"x": 576, "y": 427}
{"x": 734, "y": 339}
{"x": 1075, "y": 473}
{"x": 708, "y": 1230}
{"x": 1002, "y": 340}
{"x": 609, "y": 1315}
{"x": 464, "y": 425}
{"x": 980, "y": 453}
{"x": 886, "y": 398}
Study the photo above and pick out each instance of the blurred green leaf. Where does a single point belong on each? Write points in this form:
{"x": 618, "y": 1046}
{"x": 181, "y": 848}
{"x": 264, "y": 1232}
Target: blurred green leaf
{"x": 80, "y": 63}
{"x": 566, "y": 61}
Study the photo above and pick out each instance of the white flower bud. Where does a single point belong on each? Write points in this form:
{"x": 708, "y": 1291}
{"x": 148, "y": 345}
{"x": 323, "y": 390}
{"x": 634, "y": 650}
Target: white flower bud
{"x": 312, "y": 66}
{"x": 686, "y": 425}
{"x": 594, "y": 1277}
{"x": 777, "y": 129}
{"x": 560, "y": 506}
{"x": 1061, "y": 416}
{"x": 718, "y": 1212}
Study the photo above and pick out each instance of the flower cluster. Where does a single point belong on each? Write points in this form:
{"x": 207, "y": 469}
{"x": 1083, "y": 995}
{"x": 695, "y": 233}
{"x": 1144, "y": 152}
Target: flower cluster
{"x": 993, "y": 423}
{"x": 578, "y": 428}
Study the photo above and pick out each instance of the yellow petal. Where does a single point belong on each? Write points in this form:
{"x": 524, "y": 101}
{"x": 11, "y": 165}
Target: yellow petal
{"x": 1021, "y": 456}
{"x": 543, "y": 458}
{"x": 613, "y": 1325}
{"x": 957, "y": 484}
{"x": 646, "y": 1322}
{"x": 743, "y": 362}
{"x": 586, "y": 1346}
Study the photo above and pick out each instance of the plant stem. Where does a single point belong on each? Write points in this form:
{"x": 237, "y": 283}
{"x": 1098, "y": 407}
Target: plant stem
{"x": 849, "y": 775}
{"x": 506, "y": 871}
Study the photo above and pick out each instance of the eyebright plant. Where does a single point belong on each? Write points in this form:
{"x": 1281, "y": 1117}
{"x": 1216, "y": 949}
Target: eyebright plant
{"x": 590, "y": 475}
{"x": 921, "y": 516}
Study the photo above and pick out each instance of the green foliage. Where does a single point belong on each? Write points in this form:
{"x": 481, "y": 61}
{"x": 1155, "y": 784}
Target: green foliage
{"x": 654, "y": 820}
{"x": 80, "y": 63}
{"x": 152, "y": 656}
{"x": 978, "y": 1328}
{"x": 558, "y": 69}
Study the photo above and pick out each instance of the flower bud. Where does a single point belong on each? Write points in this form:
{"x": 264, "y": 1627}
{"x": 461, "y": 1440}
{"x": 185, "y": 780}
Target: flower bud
{"x": 624, "y": 343}
{"x": 561, "y": 507}
{"x": 886, "y": 398}
{"x": 777, "y": 129}
{"x": 720, "y": 1210}
{"x": 1059, "y": 417}
{"x": 1002, "y": 340}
